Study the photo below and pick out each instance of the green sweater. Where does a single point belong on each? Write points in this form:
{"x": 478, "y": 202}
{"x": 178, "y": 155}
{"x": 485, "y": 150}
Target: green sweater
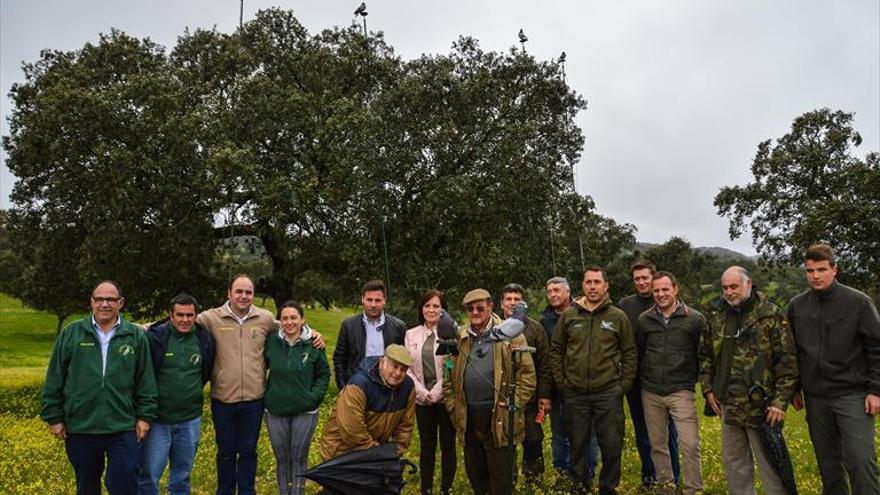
{"x": 298, "y": 376}
{"x": 77, "y": 394}
{"x": 180, "y": 380}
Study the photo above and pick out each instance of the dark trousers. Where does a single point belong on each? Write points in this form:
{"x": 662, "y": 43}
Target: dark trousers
{"x": 843, "y": 438}
{"x": 603, "y": 409}
{"x": 237, "y": 429}
{"x": 87, "y": 453}
{"x": 560, "y": 446}
{"x": 432, "y": 420}
{"x": 533, "y": 453}
{"x": 484, "y": 462}
{"x": 643, "y": 444}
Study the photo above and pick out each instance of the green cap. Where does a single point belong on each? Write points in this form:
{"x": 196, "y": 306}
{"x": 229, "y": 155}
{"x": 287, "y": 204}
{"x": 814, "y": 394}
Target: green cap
{"x": 398, "y": 353}
{"x": 476, "y": 295}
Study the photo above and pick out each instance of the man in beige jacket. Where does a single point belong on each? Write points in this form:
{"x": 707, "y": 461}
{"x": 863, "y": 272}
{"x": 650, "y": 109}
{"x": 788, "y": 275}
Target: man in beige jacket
{"x": 238, "y": 382}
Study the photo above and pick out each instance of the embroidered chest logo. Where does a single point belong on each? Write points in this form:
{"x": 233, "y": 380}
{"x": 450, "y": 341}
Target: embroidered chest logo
{"x": 195, "y": 359}
{"x": 607, "y": 325}
{"x": 126, "y": 350}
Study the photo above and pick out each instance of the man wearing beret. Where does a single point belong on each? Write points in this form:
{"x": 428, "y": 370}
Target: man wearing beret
{"x": 476, "y": 392}
{"x": 376, "y": 406}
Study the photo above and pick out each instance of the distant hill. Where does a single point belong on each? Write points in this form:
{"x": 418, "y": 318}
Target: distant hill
{"x": 718, "y": 252}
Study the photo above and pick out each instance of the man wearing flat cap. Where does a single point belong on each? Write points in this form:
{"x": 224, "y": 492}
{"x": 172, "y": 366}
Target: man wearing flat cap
{"x": 475, "y": 394}
{"x": 376, "y": 406}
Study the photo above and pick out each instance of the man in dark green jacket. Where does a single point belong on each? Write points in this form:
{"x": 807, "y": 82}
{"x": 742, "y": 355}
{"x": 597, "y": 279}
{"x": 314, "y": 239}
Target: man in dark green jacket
{"x": 593, "y": 357}
{"x": 100, "y": 394}
{"x": 669, "y": 338}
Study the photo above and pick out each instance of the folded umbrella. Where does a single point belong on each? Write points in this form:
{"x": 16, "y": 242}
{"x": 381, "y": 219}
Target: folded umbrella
{"x": 374, "y": 471}
{"x": 774, "y": 443}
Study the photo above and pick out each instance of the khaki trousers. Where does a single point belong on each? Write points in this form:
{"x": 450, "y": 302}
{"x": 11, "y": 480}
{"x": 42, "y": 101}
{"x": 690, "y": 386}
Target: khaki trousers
{"x": 737, "y": 446}
{"x": 682, "y": 407}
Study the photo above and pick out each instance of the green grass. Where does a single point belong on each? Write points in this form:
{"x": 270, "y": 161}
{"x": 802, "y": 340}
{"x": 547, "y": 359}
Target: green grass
{"x": 31, "y": 461}
{"x": 25, "y": 334}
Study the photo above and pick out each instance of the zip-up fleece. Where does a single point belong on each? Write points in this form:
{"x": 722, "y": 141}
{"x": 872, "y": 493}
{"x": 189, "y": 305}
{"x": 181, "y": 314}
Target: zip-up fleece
{"x": 367, "y": 413}
{"x": 298, "y": 376}
{"x": 670, "y": 362}
{"x": 837, "y": 332}
{"x": 78, "y": 394}
{"x": 593, "y": 350}
{"x": 239, "y": 366}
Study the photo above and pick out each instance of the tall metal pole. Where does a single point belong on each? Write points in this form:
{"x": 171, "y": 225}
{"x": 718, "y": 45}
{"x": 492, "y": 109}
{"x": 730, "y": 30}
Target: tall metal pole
{"x": 385, "y": 253}
{"x": 241, "y": 14}
{"x": 365, "y": 26}
{"x": 511, "y": 419}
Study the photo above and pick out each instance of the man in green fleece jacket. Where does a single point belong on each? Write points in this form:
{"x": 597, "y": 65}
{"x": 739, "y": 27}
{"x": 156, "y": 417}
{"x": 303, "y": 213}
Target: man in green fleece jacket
{"x": 593, "y": 358}
{"x": 100, "y": 394}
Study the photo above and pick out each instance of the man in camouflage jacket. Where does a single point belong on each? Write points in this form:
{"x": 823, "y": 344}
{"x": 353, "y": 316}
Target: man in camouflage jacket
{"x": 748, "y": 373}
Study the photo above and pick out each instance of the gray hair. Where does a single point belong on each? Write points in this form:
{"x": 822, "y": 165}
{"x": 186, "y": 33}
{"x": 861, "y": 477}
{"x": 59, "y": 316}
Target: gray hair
{"x": 558, "y": 280}
{"x": 743, "y": 273}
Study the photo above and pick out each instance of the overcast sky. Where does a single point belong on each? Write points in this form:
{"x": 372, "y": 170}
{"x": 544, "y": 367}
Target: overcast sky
{"x": 679, "y": 92}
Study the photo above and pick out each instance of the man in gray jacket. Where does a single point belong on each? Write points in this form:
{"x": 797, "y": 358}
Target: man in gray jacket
{"x": 837, "y": 331}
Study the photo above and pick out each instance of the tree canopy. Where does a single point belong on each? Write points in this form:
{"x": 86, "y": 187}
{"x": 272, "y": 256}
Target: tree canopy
{"x": 809, "y": 187}
{"x": 138, "y": 164}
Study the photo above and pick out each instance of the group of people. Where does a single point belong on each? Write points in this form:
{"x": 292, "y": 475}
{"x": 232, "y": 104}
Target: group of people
{"x": 134, "y": 397}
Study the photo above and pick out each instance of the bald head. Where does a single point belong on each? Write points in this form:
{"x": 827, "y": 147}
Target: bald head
{"x": 736, "y": 285}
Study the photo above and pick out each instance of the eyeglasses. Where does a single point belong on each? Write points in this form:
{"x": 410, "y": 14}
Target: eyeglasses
{"x": 476, "y": 309}
{"x": 102, "y": 300}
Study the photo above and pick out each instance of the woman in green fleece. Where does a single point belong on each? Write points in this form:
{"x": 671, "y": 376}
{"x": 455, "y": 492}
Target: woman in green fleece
{"x": 298, "y": 375}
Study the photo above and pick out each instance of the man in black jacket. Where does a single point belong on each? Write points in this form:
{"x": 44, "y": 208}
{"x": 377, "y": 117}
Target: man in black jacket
{"x": 183, "y": 357}
{"x": 837, "y": 331}
{"x": 366, "y": 334}
{"x": 633, "y": 305}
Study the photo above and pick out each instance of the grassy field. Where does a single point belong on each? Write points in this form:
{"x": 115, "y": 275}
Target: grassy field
{"x": 31, "y": 461}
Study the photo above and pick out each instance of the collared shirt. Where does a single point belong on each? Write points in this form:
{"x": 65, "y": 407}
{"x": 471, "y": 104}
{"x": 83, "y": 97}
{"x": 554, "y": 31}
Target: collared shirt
{"x": 375, "y": 340}
{"x": 667, "y": 318}
{"x": 239, "y": 319}
{"x": 104, "y": 340}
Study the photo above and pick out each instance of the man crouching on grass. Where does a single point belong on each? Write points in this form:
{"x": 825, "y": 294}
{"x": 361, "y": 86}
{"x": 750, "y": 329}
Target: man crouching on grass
{"x": 376, "y": 406}
{"x": 100, "y": 394}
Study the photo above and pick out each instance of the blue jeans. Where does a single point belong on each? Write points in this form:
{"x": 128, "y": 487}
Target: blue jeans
{"x": 175, "y": 442}
{"x": 559, "y": 442}
{"x": 87, "y": 453}
{"x": 237, "y": 429}
{"x": 291, "y": 437}
{"x": 643, "y": 444}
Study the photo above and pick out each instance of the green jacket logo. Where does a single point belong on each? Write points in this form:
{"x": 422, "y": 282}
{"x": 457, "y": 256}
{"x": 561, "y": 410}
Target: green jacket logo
{"x": 126, "y": 350}
{"x": 195, "y": 359}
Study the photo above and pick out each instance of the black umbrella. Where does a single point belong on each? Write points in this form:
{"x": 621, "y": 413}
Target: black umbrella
{"x": 374, "y": 471}
{"x": 774, "y": 443}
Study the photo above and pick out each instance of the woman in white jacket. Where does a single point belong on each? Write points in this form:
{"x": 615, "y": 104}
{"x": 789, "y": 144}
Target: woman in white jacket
{"x": 432, "y": 418}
